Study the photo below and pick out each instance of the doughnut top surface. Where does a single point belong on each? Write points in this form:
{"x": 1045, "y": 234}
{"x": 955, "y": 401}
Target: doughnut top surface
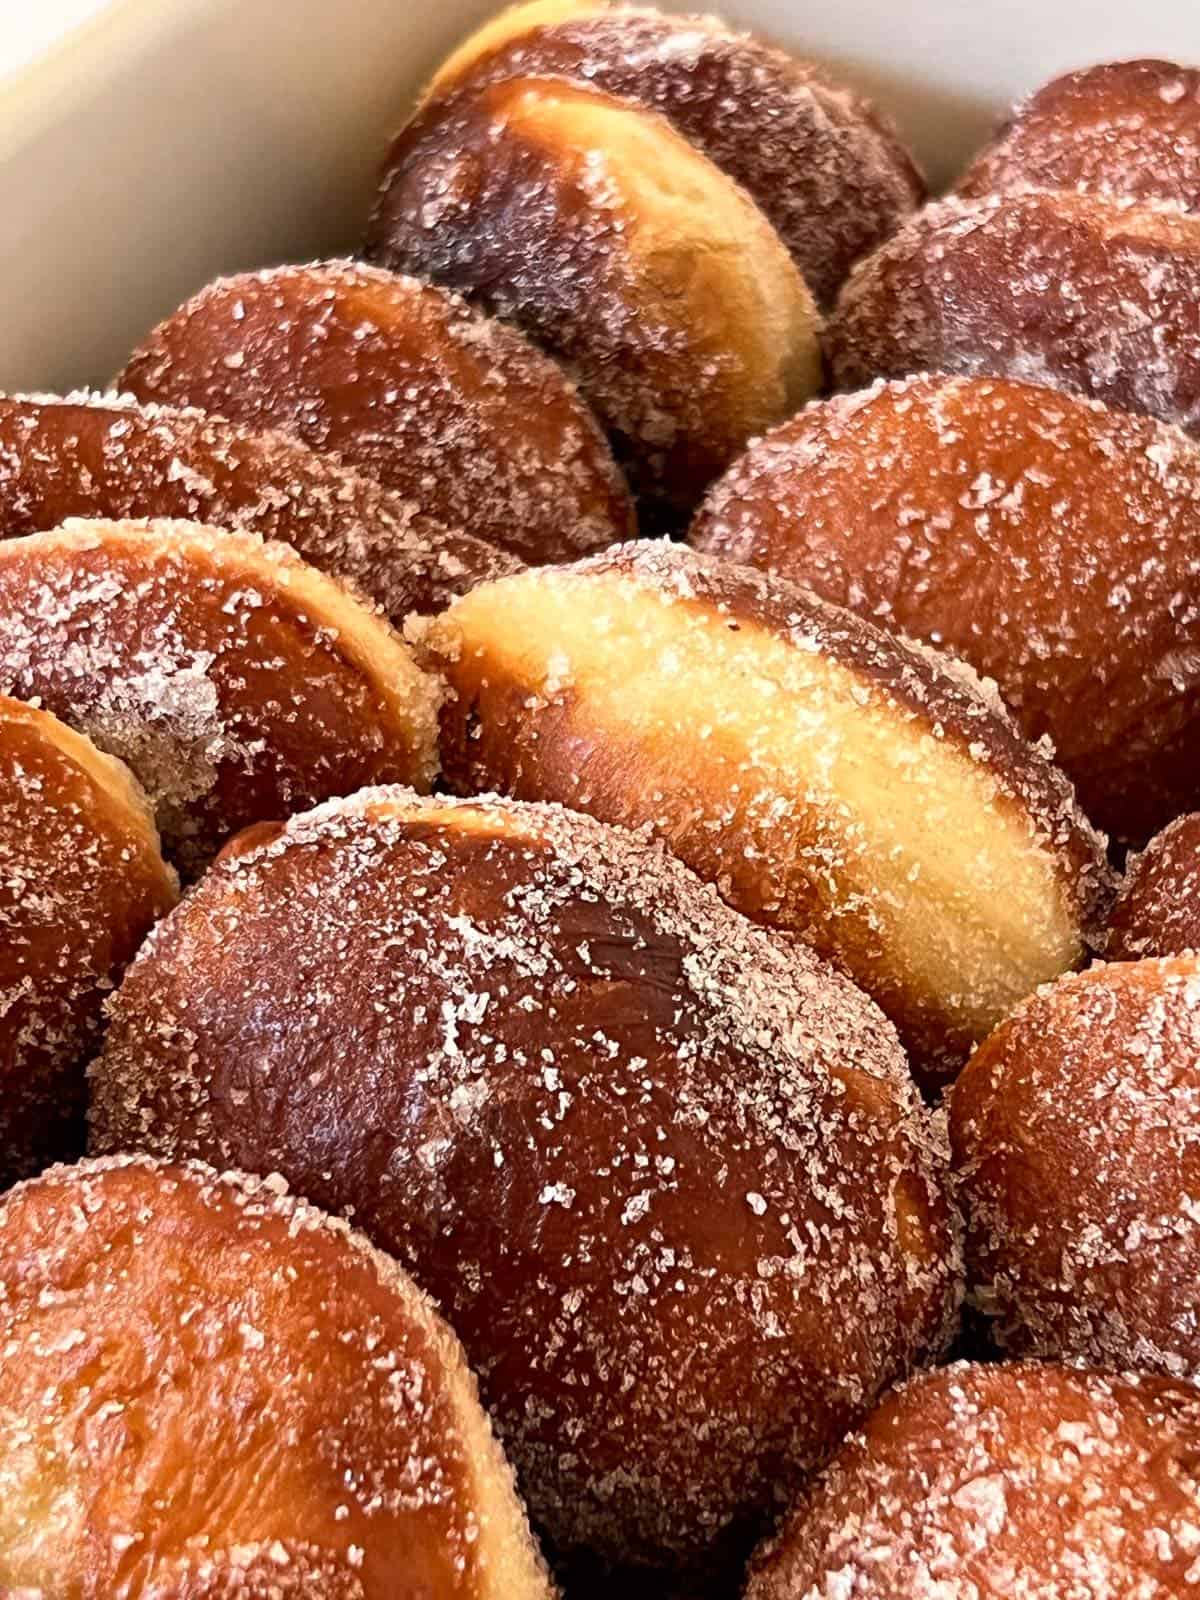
{"x": 634, "y": 1145}
{"x": 827, "y": 170}
{"x": 1128, "y": 129}
{"x": 237, "y": 682}
{"x": 1011, "y": 1482}
{"x": 211, "y": 1388}
{"x": 104, "y": 456}
{"x": 405, "y": 382}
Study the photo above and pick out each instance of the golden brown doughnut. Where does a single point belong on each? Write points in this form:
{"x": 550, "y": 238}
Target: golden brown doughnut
{"x": 636, "y": 1147}
{"x": 212, "y": 1391}
{"x": 831, "y": 780}
{"x": 404, "y": 382}
{"x": 1157, "y": 911}
{"x": 1091, "y": 295}
{"x": 81, "y": 882}
{"x": 829, "y": 173}
{"x": 1130, "y": 129}
{"x": 1077, "y": 1159}
{"x": 1015, "y": 1482}
{"x": 99, "y": 456}
{"x": 1052, "y": 543}
{"x": 594, "y": 225}
{"x": 238, "y": 683}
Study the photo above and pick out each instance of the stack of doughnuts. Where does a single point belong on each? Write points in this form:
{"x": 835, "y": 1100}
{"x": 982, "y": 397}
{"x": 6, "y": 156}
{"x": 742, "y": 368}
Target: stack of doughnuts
{"x": 705, "y": 967}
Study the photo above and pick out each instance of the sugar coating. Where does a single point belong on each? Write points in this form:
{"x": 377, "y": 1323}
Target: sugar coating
{"x": 635, "y": 1146}
{"x": 1076, "y": 1135}
{"x": 827, "y": 170}
{"x": 1050, "y": 541}
{"x": 81, "y": 882}
{"x": 1157, "y": 912}
{"x": 237, "y": 682}
{"x": 210, "y": 1387}
{"x": 1013, "y": 1482}
{"x": 1094, "y": 295}
{"x": 406, "y": 383}
{"x": 102, "y": 455}
{"x": 1127, "y": 129}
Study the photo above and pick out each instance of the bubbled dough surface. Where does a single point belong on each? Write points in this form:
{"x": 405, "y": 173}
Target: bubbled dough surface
{"x": 635, "y": 1146}
{"x": 285, "y": 1405}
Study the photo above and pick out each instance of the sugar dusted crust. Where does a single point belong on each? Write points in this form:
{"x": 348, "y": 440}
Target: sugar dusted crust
{"x": 828, "y": 172}
{"x": 172, "y": 1427}
{"x": 237, "y": 682}
{"x": 1097, "y": 1076}
{"x": 1095, "y": 296}
{"x": 406, "y": 383}
{"x": 840, "y": 784}
{"x": 595, "y": 226}
{"x": 1048, "y": 540}
{"x": 81, "y": 883}
{"x": 1013, "y": 1482}
{"x": 635, "y": 1146}
{"x": 1157, "y": 911}
{"x": 1127, "y": 129}
{"x": 94, "y": 455}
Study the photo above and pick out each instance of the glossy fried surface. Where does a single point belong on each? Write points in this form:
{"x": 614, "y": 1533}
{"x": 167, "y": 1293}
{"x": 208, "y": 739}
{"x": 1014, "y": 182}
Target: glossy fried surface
{"x": 636, "y": 1147}
{"x": 405, "y": 383}
{"x": 1015, "y": 1482}
{"x": 1157, "y": 912}
{"x": 1048, "y": 540}
{"x": 210, "y": 1389}
{"x": 829, "y": 779}
{"x": 238, "y": 683}
{"x": 81, "y": 883}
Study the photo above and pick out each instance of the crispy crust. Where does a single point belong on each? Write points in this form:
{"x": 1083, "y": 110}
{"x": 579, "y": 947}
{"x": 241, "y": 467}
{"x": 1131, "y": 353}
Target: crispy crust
{"x": 406, "y": 383}
{"x": 1095, "y": 296}
{"x": 212, "y": 1391}
{"x": 1049, "y": 541}
{"x": 1129, "y": 129}
{"x": 101, "y": 456}
{"x": 828, "y": 171}
{"x": 1157, "y": 912}
{"x": 775, "y": 740}
{"x": 238, "y": 683}
{"x": 634, "y": 1145}
{"x": 1014, "y": 1482}
{"x": 81, "y": 883}
{"x": 1097, "y": 1076}
{"x": 598, "y": 228}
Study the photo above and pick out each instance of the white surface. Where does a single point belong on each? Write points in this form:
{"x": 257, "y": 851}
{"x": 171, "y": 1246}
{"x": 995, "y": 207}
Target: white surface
{"x": 27, "y": 32}
{"x": 172, "y": 139}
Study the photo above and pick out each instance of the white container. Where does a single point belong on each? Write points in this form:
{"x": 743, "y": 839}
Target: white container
{"x": 174, "y": 139}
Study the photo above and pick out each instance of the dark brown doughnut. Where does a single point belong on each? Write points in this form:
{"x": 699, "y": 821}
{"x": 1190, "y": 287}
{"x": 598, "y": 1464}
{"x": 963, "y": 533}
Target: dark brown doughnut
{"x": 1157, "y": 911}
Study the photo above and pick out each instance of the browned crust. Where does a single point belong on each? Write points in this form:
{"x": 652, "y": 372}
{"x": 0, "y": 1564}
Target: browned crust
{"x": 1157, "y": 912}
{"x": 405, "y": 383}
{"x": 634, "y": 259}
{"x": 1003, "y": 1482}
{"x": 828, "y": 171}
{"x": 594, "y": 1111}
{"x": 231, "y": 1395}
{"x": 99, "y": 456}
{"x": 1090, "y": 295}
{"x": 1097, "y": 1077}
{"x": 1052, "y": 543}
{"x": 81, "y": 883}
{"x": 1130, "y": 129}
{"x": 238, "y": 683}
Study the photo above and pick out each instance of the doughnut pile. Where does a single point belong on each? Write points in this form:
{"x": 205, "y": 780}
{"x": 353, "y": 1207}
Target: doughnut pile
{"x": 1002, "y": 1482}
{"x": 671, "y": 689}
{"x": 1048, "y": 540}
{"x": 81, "y": 883}
{"x": 839, "y": 783}
{"x": 407, "y": 385}
{"x": 211, "y": 1389}
{"x": 635, "y": 1146}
